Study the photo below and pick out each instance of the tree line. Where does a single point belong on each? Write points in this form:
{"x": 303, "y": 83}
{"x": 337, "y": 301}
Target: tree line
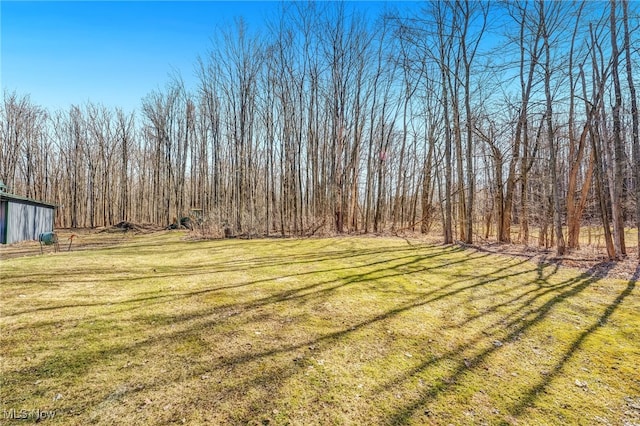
{"x": 479, "y": 120}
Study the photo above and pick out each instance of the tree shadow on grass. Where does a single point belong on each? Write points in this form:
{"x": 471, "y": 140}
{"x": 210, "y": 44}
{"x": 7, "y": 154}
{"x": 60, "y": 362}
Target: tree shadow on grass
{"x": 80, "y": 361}
{"x": 532, "y": 394}
{"x": 519, "y": 325}
{"x": 413, "y": 257}
{"x": 379, "y": 269}
{"x": 279, "y": 356}
{"x": 491, "y": 329}
{"x": 526, "y": 298}
{"x": 215, "y": 264}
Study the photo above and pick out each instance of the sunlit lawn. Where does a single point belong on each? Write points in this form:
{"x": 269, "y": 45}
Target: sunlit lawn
{"x": 363, "y": 331}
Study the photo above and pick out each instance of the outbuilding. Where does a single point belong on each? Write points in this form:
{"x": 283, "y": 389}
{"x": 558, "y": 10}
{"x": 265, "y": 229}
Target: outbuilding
{"x": 22, "y": 218}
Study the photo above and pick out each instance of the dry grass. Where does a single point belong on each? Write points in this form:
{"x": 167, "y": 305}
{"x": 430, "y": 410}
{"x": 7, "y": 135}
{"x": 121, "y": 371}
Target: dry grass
{"x": 159, "y": 330}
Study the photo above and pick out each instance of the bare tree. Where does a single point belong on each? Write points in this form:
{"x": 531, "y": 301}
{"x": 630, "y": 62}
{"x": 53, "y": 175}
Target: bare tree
{"x": 635, "y": 138}
{"x": 619, "y": 153}
{"x": 551, "y": 137}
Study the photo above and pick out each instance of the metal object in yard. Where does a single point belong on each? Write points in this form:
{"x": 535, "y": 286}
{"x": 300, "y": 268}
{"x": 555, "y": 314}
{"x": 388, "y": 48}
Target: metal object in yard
{"x": 71, "y": 237}
{"x": 49, "y": 239}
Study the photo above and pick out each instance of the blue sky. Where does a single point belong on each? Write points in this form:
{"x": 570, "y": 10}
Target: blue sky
{"x": 116, "y": 52}
{"x": 63, "y": 53}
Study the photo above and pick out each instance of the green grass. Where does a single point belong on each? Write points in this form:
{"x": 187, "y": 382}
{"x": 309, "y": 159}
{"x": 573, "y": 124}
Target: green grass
{"x": 159, "y": 330}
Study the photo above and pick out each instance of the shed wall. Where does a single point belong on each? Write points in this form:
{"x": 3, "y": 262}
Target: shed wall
{"x": 27, "y": 222}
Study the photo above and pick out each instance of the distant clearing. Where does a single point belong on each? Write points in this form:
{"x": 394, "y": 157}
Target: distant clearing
{"x": 160, "y": 330}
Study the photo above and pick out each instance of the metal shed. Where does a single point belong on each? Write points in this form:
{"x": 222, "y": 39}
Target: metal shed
{"x": 22, "y": 218}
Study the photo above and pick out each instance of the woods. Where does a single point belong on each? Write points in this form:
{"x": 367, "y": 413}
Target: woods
{"x": 475, "y": 120}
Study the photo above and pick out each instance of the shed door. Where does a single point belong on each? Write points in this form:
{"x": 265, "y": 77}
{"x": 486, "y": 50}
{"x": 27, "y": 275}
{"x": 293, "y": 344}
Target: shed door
{"x": 3, "y": 222}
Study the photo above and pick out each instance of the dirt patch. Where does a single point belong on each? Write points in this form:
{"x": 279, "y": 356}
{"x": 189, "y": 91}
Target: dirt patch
{"x": 587, "y": 260}
{"x": 80, "y": 239}
{"x": 125, "y": 226}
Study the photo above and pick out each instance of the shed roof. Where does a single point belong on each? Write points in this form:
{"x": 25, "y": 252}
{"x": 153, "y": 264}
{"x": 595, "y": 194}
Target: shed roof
{"x": 12, "y": 197}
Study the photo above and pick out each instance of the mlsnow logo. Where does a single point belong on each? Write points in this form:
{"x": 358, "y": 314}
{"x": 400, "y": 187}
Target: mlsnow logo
{"x": 37, "y": 414}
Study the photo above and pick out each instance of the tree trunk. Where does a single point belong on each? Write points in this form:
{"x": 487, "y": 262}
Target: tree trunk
{"x": 555, "y": 193}
{"x": 619, "y": 154}
{"x": 635, "y": 137}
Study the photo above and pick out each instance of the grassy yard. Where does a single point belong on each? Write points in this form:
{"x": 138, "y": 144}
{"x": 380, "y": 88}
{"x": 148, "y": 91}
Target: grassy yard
{"x": 160, "y": 330}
